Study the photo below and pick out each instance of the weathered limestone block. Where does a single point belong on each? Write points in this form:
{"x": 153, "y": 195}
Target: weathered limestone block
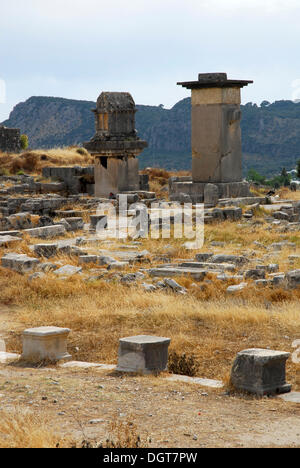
{"x": 7, "y": 241}
{"x": 260, "y": 371}
{"x": 84, "y": 259}
{"x": 236, "y": 288}
{"x": 293, "y": 278}
{"x": 74, "y": 223}
{"x": 45, "y": 250}
{"x": 223, "y": 258}
{"x": 47, "y": 232}
{"x": 255, "y": 274}
{"x": 19, "y": 262}
{"x": 143, "y": 354}
{"x": 164, "y": 272}
{"x": 45, "y": 343}
{"x": 68, "y": 270}
{"x": 98, "y": 221}
{"x": 211, "y": 195}
{"x": 233, "y": 214}
{"x": 209, "y": 266}
{"x": 20, "y": 221}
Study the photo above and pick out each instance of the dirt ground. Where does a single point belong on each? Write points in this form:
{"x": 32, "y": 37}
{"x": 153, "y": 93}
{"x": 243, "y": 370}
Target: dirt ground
{"x": 171, "y": 414}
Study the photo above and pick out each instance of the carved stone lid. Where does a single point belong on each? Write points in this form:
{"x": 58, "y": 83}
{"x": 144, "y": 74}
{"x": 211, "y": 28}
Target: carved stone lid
{"x": 115, "y": 102}
{"x": 214, "y": 80}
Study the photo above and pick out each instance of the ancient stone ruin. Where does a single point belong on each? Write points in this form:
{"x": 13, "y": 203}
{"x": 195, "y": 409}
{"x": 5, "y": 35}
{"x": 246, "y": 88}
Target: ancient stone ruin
{"x": 10, "y": 140}
{"x": 115, "y": 145}
{"x": 216, "y": 140}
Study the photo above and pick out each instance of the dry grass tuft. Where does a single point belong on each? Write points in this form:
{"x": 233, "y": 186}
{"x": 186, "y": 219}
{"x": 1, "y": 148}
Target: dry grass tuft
{"x": 22, "y": 429}
{"x": 34, "y": 161}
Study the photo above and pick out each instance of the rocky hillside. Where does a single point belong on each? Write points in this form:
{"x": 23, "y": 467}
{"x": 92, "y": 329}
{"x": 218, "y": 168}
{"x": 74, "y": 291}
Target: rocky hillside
{"x": 271, "y": 132}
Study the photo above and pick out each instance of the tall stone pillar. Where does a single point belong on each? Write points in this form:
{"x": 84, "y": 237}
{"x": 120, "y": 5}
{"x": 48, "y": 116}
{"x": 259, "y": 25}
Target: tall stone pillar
{"x": 216, "y": 133}
{"x": 115, "y": 145}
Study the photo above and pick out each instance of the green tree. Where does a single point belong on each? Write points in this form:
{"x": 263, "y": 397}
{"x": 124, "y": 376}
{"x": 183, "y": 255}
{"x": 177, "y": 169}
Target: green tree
{"x": 24, "y": 142}
{"x": 298, "y": 169}
{"x": 254, "y": 176}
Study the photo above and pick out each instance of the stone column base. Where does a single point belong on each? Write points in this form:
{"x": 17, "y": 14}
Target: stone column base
{"x": 179, "y": 190}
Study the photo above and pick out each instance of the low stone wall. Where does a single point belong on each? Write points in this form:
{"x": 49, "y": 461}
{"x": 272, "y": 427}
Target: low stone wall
{"x": 76, "y": 179}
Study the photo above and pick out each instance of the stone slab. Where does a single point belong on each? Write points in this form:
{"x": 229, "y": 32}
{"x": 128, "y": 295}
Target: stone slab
{"x": 6, "y": 358}
{"x": 292, "y": 397}
{"x": 196, "y": 380}
{"x": 196, "y": 273}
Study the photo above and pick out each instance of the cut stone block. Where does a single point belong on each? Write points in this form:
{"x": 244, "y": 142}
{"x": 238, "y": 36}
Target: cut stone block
{"x": 68, "y": 270}
{"x": 47, "y": 232}
{"x": 6, "y": 358}
{"x": 19, "y": 262}
{"x": 143, "y": 354}
{"x": 84, "y": 259}
{"x": 7, "y": 241}
{"x": 101, "y": 219}
{"x": 195, "y": 273}
{"x": 45, "y": 343}
{"x": 260, "y": 371}
{"x": 45, "y": 250}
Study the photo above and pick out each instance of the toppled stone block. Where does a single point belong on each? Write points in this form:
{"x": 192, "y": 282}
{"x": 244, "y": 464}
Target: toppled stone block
{"x": 7, "y": 241}
{"x": 165, "y": 272}
{"x": 19, "y": 262}
{"x": 68, "y": 270}
{"x": 47, "y": 232}
{"x": 143, "y": 354}
{"x": 117, "y": 266}
{"x": 233, "y": 214}
{"x": 209, "y": 266}
{"x": 85, "y": 259}
{"x": 73, "y": 223}
{"x": 105, "y": 260}
{"x": 293, "y": 278}
{"x": 273, "y": 268}
{"x": 222, "y": 258}
{"x": 255, "y": 274}
{"x": 174, "y": 286}
{"x": 281, "y": 215}
{"x": 45, "y": 250}
{"x": 36, "y": 275}
{"x": 20, "y": 221}
{"x": 45, "y": 343}
{"x": 260, "y": 371}
{"x": 204, "y": 257}
{"x": 278, "y": 279}
{"x": 236, "y": 288}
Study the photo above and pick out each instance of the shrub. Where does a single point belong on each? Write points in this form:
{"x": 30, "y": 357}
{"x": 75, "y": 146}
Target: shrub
{"x": 182, "y": 364}
{"x": 82, "y": 151}
{"x": 24, "y": 142}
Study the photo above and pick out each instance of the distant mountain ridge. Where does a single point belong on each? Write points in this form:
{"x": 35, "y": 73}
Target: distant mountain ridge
{"x": 270, "y": 133}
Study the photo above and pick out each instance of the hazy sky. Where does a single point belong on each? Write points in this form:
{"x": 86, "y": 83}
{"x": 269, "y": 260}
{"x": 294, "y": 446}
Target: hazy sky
{"x": 78, "y": 48}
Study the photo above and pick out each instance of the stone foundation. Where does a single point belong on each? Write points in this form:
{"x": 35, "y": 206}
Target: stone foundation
{"x": 196, "y": 190}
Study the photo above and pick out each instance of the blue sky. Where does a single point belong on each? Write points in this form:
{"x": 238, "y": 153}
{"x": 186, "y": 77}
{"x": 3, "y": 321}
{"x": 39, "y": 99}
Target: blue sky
{"x": 78, "y": 48}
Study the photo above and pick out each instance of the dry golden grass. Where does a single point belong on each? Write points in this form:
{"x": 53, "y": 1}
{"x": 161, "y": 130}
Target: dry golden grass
{"x": 34, "y": 161}
{"x": 286, "y": 194}
{"x": 20, "y": 428}
{"x": 213, "y": 327}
